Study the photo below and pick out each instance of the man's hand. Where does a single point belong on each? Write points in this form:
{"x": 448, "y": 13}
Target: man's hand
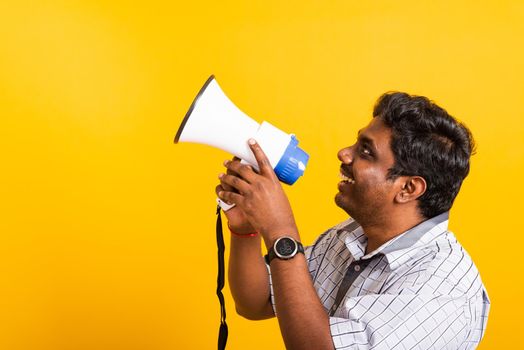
{"x": 236, "y": 219}
{"x": 260, "y": 196}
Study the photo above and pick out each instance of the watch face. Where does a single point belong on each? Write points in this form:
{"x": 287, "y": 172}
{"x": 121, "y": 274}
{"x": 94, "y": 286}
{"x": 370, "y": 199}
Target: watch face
{"x": 286, "y": 247}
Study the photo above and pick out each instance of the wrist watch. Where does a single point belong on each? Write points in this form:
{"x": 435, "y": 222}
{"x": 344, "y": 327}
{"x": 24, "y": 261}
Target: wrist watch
{"x": 284, "y": 248}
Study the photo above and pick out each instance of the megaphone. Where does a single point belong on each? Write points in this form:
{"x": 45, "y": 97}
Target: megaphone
{"x": 214, "y": 120}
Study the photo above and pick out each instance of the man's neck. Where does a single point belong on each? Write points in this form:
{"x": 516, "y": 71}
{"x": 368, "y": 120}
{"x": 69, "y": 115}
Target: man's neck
{"x": 379, "y": 233}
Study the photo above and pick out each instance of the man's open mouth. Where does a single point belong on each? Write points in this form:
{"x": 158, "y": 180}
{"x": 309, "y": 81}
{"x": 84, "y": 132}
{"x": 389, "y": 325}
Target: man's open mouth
{"x": 346, "y": 178}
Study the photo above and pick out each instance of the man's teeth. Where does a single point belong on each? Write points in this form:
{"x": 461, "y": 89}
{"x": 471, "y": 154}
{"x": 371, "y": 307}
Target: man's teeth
{"x": 346, "y": 179}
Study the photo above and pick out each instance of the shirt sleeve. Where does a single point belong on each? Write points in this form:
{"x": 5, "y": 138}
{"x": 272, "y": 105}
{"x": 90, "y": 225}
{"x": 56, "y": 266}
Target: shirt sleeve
{"x": 271, "y": 292}
{"x": 402, "y": 321}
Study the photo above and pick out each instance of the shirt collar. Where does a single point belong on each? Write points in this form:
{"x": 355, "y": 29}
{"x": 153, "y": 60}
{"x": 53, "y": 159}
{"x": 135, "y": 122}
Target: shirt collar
{"x": 397, "y": 249}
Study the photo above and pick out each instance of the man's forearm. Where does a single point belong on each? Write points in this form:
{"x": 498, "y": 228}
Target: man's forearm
{"x": 249, "y": 278}
{"x": 303, "y": 320}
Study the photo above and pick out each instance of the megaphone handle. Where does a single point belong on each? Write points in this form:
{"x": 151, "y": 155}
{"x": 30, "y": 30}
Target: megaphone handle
{"x": 224, "y": 205}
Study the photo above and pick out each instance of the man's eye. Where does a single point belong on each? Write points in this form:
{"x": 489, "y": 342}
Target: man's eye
{"x": 365, "y": 151}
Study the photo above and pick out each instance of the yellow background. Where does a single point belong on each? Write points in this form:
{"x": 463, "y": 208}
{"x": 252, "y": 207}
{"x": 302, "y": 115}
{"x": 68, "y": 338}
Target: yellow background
{"x": 107, "y": 227}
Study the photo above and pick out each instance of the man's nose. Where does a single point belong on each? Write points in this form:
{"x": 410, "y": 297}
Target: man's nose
{"x": 345, "y": 155}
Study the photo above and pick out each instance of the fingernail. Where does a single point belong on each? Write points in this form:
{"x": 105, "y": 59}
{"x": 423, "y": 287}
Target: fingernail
{"x": 220, "y": 175}
{"x": 220, "y": 193}
{"x": 226, "y": 162}
{"x": 252, "y": 142}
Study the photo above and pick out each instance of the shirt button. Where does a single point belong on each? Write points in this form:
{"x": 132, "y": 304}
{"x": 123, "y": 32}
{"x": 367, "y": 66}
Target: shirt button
{"x": 357, "y": 268}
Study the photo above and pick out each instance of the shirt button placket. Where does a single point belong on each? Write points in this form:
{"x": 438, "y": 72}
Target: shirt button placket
{"x": 334, "y": 308}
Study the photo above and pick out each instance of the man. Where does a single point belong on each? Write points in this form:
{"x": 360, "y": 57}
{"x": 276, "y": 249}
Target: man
{"x": 390, "y": 277}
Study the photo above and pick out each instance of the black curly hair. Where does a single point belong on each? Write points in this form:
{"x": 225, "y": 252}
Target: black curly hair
{"x": 427, "y": 142}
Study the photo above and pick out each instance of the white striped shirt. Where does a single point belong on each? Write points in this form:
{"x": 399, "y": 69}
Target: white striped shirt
{"x": 420, "y": 290}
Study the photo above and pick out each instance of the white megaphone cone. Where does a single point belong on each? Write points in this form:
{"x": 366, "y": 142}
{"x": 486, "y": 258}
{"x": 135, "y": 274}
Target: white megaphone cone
{"x": 214, "y": 120}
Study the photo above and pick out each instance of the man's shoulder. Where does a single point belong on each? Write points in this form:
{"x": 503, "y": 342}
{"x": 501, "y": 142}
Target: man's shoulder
{"x": 450, "y": 264}
{"x": 330, "y": 237}
{"x": 348, "y": 225}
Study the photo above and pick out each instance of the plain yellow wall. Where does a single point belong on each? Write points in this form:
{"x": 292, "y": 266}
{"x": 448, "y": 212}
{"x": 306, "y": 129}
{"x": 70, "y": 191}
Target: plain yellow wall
{"x": 107, "y": 227}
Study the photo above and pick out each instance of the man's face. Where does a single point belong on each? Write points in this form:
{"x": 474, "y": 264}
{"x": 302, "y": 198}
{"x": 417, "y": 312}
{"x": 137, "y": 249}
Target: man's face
{"x": 364, "y": 192}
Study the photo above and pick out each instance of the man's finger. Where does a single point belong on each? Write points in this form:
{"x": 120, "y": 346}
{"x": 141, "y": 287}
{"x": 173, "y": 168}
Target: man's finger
{"x": 263, "y": 163}
{"x": 234, "y": 181}
{"x": 238, "y": 169}
{"x": 230, "y": 172}
{"x": 219, "y": 189}
{"x": 230, "y": 197}
{"x": 226, "y": 187}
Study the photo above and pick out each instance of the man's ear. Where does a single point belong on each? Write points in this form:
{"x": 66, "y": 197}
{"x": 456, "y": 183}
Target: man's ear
{"x": 412, "y": 187}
